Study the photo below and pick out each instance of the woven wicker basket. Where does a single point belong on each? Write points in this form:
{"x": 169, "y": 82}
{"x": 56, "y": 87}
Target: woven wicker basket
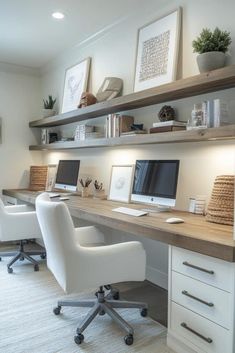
{"x": 221, "y": 205}
{"x": 38, "y": 178}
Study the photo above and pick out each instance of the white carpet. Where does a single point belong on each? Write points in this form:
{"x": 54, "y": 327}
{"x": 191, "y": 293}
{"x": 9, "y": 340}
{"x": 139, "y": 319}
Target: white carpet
{"x": 28, "y": 325}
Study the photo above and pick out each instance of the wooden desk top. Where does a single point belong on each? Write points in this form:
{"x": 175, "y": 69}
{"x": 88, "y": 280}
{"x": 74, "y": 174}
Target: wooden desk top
{"x": 194, "y": 234}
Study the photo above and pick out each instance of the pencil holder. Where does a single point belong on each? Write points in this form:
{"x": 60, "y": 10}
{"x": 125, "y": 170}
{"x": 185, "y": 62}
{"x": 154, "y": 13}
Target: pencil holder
{"x": 85, "y": 192}
{"x": 99, "y": 194}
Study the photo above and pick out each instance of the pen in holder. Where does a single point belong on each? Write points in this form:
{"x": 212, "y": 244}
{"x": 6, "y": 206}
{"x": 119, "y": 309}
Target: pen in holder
{"x": 99, "y": 192}
{"x": 85, "y": 184}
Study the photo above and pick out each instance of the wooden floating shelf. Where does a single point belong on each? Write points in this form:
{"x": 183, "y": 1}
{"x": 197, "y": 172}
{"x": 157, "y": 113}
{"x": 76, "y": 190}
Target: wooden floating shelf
{"x": 200, "y": 84}
{"x": 210, "y": 134}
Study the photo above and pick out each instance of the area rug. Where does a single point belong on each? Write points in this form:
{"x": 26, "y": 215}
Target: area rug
{"x": 28, "y": 325}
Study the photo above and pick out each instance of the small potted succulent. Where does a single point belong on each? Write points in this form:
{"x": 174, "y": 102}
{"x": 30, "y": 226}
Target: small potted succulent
{"x": 48, "y": 106}
{"x": 212, "y": 48}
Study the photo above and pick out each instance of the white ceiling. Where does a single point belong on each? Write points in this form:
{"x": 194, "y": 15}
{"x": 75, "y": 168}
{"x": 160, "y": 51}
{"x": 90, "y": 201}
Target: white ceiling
{"x": 29, "y": 36}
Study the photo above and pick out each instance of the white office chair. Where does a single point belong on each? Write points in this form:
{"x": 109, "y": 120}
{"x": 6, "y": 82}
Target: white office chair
{"x": 78, "y": 268}
{"x": 17, "y": 223}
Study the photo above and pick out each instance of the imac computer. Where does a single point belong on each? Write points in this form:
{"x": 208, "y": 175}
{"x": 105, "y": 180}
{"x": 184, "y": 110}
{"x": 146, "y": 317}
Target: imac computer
{"x": 155, "y": 183}
{"x": 67, "y": 175}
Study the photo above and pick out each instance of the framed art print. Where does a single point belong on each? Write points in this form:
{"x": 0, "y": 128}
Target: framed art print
{"x": 157, "y": 52}
{"x": 121, "y": 183}
{"x": 75, "y": 83}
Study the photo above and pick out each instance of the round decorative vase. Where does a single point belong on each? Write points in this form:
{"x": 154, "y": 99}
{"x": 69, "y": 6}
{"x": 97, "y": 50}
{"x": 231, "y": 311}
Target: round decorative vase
{"x": 211, "y": 61}
{"x": 99, "y": 194}
{"x": 48, "y": 112}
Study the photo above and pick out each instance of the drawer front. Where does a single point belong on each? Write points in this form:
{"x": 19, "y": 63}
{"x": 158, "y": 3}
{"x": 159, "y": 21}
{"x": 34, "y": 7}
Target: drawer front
{"x": 206, "y": 269}
{"x": 204, "y": 334}
{"x": 210, "y": 302}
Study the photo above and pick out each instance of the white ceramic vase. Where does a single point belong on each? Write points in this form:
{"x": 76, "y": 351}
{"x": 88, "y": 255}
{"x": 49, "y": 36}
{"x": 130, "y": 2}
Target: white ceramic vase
{"x": 48, "y": 112}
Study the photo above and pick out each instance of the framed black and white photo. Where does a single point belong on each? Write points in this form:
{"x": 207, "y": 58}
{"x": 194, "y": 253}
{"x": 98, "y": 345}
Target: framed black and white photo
{"x": 75, "y": 83}
{"x": 157, "y": 52}
{"x": 121, "y": 183}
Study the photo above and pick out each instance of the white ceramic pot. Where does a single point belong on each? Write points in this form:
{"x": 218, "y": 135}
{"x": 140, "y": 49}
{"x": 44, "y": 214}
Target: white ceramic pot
{"x": 211, "y": 61}
{"x": 48, "y": 112}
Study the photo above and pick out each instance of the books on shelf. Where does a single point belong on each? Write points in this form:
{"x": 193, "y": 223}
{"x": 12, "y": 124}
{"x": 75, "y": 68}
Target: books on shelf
{"x": 169, "y": 123}
{"x": 216, "y": 112}
{"x": 134, "y": 133}
{"x": 117, "y": 124}
{"x": 154, "y": 130}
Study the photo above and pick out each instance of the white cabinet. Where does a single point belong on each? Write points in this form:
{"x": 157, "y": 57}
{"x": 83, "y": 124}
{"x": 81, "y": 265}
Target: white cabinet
{"x": 200, "y": 303}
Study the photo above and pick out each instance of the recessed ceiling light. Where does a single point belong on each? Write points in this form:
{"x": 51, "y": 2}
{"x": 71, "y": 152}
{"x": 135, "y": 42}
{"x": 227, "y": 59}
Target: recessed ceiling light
{"x": 58, "y": 15}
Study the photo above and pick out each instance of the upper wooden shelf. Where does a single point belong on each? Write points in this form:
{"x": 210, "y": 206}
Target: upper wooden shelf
{"x": 210, "y": 134}
{"x": 200, "y": 84}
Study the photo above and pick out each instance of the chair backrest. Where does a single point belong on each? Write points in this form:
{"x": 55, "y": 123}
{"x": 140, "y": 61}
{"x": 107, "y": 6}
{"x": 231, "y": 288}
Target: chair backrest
{"x": 58, "y": 236}
{"x": 2, "y": 216}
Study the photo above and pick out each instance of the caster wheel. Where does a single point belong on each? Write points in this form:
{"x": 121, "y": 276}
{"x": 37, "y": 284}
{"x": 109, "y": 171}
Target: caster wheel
{"x": 9, "y": 270}
{"x": 43, "y": 256}
{"x": 102, "y": 312}
{"x": 57, "y": 310}
{"x": 22, "y": 258}
{"x": 36, "y": 268}
{"x": 144, "y": 312}
{"x": 79, "y": 338}
{"x": 116, "y": 296}
{"x": 129, "y": 340}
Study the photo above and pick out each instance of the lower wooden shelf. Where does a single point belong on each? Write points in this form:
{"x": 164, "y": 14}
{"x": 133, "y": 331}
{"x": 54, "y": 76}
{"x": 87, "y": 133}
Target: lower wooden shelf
{"x": 209, "y": 134}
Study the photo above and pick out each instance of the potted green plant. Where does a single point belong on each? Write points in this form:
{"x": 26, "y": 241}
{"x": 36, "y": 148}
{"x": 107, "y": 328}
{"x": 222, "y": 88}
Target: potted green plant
{"x": 212, "y": 48}
{"x": 48, "y": 106}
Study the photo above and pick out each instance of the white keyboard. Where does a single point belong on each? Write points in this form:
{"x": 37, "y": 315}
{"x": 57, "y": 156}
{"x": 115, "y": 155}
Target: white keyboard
{"x": 130, "y": 211}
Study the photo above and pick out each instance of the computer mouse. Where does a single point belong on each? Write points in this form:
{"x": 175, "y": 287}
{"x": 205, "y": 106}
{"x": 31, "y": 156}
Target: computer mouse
{"x": 174, "y": 220}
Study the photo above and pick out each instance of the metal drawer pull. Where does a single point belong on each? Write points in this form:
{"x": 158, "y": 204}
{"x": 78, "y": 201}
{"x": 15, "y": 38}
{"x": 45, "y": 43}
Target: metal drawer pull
{"x": 184, "y": 292}
{"x": 208, "y": 340}
{"x": 198, "y": 268}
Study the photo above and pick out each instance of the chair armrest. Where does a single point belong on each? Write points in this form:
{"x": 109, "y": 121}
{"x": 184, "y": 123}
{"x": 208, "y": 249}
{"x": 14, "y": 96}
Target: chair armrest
{"x": 18, "y": 208}
{"x": 89, "y": 236}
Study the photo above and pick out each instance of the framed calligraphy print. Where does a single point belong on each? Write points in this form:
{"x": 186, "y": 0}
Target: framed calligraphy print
{"x": 157, "y": 52}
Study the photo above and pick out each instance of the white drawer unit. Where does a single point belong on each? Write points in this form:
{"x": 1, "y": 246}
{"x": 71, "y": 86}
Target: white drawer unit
{"x": 200, "y": 303}
{"x": 204, "y": 334}
{"x": 212, "y": 303}
{"x": 204, "y": 268}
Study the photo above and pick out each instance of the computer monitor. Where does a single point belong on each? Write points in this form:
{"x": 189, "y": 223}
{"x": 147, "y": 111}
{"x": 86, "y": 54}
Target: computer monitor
{"x": 67, "y": 175}
{"x": 155, "y": 182}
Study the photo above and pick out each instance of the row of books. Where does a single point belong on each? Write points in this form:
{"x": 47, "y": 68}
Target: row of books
{"x": 117, "y": 124}
{"x": 216, "y": 112}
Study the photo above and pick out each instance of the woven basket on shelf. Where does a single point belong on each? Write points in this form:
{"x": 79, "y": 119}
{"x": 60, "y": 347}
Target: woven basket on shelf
{"x": 38, "y": 178}
{"x": 221, "y": 205}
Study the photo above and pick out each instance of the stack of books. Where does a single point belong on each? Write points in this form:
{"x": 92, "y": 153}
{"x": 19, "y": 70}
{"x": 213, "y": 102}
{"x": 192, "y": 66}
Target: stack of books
{"x": 165, "y": 126}
{"x": 116, "y": 124}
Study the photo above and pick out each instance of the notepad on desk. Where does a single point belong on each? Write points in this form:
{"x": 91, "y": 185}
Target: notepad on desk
{"x": 130, "y": 211}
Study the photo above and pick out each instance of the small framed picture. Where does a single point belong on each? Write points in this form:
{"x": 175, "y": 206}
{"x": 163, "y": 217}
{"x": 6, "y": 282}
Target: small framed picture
{"x": 121, "y": 183}
{"x": 75, "y": 83}
{"x": 157, "y": 52}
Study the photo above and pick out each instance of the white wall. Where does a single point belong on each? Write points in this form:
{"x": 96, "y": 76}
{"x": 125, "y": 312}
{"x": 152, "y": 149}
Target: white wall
{"x": 19, "y": 103}
{"x": 113, "y": 54}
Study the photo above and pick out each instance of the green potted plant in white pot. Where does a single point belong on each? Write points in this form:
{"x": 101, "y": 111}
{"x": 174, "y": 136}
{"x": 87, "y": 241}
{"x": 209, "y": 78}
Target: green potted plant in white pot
{"x": 212, "y": 48}
{"x": 48, "y": 106}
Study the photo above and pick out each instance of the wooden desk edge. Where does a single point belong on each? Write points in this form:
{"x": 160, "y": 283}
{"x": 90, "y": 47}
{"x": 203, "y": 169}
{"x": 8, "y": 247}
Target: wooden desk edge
{"x": 206, "y": 246}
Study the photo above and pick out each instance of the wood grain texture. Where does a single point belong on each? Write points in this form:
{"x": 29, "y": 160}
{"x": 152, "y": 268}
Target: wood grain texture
{"x": 222, "y": 132}
{"x": 195, "y": 234}
{"x": 200, "y": 84}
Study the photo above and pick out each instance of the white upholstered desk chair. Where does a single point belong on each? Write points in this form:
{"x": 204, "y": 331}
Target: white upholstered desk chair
{"x": 78, "y": 268}
{"x": 19, "y": 223}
